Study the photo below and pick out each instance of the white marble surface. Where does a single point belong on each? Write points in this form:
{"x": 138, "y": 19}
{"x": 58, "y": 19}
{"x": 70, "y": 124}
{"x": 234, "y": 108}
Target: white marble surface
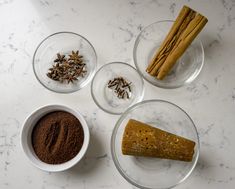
{"x": 112, "y": 27}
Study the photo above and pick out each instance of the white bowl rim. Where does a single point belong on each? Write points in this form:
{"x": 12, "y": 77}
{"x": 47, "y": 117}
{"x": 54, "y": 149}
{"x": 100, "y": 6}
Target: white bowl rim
{"x": 55, "y": 167}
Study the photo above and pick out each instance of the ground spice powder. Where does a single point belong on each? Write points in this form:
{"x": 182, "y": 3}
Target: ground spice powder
{"x": 57, "y": 137}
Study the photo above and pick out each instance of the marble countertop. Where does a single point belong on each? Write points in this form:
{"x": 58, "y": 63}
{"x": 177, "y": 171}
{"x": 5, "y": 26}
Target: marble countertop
{"x": 112, "y": 27}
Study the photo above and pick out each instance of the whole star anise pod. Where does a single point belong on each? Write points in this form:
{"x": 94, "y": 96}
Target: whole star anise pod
{"x": 67, "y": 68}
{"x": 75, "y": 57}
{"x": 60, "y": 58}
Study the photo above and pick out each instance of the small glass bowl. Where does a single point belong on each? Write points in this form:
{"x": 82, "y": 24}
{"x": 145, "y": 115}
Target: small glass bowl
{"x": 64, "y": 43}
{"x": 155, "y": 173}
{"x": 186, "y": 68}
{"x": 105, "y": 98}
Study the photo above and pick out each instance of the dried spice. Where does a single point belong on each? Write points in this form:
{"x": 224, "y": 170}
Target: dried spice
{"x": 57, "y": 137}
{"x": 67, "y": 68}
{"x": 141, "y": 139}
{"x": 75, "y": 57}
{"x": 60, "y": 58}
{"x": 187, "y": 26}
{"x": 121, "y": 87}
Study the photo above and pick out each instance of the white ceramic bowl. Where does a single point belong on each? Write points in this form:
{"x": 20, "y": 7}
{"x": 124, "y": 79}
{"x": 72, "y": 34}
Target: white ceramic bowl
{"x": 26, "y": 142}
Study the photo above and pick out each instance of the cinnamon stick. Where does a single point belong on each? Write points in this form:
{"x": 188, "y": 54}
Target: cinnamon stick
{"x": 184, "y": 30}
{"x": 168, "y": 43}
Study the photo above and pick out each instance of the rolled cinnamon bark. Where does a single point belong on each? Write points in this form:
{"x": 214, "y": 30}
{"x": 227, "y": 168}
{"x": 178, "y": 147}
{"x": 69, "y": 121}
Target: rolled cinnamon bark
{"x": 184, "y": 30}
{"x": 168, "y": 43}
{"x": 182, "y": 44}
{"x": 140, "y": 139}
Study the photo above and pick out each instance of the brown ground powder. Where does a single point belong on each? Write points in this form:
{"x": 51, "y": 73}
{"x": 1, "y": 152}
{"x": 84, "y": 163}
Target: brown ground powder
{"x": 57, "y": 137}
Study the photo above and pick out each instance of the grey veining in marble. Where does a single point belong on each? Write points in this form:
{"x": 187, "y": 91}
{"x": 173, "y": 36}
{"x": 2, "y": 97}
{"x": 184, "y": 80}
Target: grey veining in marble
{"x": 112, "y": 27}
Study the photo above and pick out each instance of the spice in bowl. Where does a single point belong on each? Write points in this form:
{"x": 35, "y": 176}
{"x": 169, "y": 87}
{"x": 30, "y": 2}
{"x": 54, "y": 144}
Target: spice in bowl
{"x": 141, "y": 139}
{"x": 185, "y": 29}
{"x": 121, "y": 87}
{"x": 57, "y": 137}
{"x": 67, "y": 68}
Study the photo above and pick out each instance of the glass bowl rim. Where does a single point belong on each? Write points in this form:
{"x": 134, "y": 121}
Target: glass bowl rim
{"x": 108, "y": 64}
{"x": 52, "y": 35}
{"x": 160, "y": 86}
{"x": 117, "y": 125}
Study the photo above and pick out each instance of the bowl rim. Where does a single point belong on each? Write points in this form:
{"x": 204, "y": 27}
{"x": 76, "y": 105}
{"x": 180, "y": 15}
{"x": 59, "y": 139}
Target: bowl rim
{"x": 117, "y": 125}
{"x": 100, "y": 69}
{"x": 187, "y": 81}
{"x": 79, "y": 155}
{"x": 58, "y": 33}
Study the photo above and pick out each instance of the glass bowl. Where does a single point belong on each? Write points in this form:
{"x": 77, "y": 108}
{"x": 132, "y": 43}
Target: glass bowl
{"x": 155, "y": 173}
{"x": 186, "y": 68}
{"x": 64, "y": 43}
{"x": 105, "y": 98}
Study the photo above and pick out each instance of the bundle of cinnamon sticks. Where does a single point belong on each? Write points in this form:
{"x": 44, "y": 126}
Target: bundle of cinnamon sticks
{"x": 184, "y": 30}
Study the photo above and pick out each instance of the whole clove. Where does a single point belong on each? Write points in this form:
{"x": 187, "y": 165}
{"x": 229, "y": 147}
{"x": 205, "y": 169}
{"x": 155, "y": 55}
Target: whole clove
{"x": 121, "y": 87}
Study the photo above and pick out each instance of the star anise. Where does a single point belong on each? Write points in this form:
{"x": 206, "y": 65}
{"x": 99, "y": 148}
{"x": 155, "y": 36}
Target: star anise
{"x": 71, "y": 78}
{"x": 67, "y": 69}
{"x": 75, "y": 57}
{"x": 60, "y": 58}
